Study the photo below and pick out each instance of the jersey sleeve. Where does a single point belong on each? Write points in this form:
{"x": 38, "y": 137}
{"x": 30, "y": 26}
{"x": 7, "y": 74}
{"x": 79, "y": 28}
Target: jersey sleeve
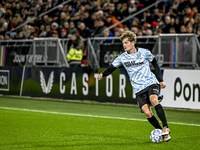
{"x": 117, "y": 62}
{"x": 149, "y": 56}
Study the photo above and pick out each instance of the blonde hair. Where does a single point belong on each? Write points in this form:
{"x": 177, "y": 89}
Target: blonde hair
{"x": 128, "y": 34}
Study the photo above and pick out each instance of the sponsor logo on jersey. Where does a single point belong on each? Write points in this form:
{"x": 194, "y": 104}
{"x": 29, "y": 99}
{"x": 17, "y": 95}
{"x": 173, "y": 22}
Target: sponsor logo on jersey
{"x": 132, "y": 63}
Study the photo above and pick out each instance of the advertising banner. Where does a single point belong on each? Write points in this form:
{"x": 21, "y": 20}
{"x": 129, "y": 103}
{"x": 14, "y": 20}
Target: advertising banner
{"x": 182, "y": 88}
{"x": 108, "y": 52}
{"x": 67, "y": 83}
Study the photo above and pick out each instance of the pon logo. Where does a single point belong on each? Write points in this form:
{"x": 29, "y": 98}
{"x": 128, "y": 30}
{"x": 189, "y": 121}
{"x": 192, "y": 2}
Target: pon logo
{"x": 46, "y": 88}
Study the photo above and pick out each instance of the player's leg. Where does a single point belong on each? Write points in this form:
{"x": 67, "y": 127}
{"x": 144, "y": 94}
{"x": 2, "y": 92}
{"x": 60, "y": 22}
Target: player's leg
{"x": 160, "y": 112}
{"x": 143, "y": 103}
{"x": 153, "y": 97}
{"x": 150, "y": 117}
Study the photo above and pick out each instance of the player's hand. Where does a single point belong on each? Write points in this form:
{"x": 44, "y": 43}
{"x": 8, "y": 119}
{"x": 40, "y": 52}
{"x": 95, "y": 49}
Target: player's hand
{"x": 100, "y": 76}
{"x": 162, "y": 85}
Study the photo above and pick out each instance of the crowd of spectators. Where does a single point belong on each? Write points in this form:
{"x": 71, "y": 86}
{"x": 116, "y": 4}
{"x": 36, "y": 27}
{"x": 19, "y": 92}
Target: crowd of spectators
{"x": 91, "y": 18}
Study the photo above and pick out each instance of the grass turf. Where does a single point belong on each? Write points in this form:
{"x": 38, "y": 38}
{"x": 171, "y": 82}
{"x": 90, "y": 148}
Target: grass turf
{"x": 42, "y": 124}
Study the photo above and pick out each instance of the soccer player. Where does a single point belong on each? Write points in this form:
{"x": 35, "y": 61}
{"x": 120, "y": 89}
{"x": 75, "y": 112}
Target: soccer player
{"x": 144, "y": 82}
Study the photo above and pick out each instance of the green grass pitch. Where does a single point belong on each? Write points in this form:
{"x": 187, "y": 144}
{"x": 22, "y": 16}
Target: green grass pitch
{"x": 31, "y": 124}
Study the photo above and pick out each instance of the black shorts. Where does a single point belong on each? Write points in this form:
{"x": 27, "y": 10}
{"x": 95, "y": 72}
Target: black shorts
{"x": 142, "y": 97}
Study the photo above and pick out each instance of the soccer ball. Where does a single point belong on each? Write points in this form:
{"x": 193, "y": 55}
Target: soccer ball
{"x": 156, "y": 136}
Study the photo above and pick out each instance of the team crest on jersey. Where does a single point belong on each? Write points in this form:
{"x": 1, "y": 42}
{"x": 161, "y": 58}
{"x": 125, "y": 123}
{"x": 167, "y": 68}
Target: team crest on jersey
{"x": 138, "y": 55}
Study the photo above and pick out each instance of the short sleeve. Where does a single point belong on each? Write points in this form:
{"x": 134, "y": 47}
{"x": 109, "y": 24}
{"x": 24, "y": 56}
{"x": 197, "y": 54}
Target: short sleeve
{"x": 149, "y": 56}
{"x": 117, "y": 62}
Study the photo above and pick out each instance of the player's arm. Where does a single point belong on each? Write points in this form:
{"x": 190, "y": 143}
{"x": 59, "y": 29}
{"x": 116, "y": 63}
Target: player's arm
{"x": 106, "y": 72}
{"x": 158, "y": 73}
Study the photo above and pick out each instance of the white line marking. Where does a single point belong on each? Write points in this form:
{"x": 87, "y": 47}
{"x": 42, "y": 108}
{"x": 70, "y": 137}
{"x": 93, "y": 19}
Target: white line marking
{"x": 93, "y": 116}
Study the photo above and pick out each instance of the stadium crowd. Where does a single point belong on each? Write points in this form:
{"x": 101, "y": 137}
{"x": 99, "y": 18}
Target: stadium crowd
{"x": 91, "y": 18}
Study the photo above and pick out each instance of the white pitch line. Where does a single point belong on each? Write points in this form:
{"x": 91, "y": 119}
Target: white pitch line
{"x": 93, "y": 116}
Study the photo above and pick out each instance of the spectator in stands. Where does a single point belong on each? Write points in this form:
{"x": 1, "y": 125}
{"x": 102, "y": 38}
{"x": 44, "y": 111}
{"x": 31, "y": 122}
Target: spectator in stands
{"x": 189, "y": 29}
{"x": 99, "y": 14}
{"x": 26, "y": 31}
{"x": 66, "y": 26}
{"x": 189, "y": 12}
{"x": 55, "y": 34}
{"x": 55, "y": 27}
{"x": 63, "y": 33}
{"x": 193, "y": 3}
{"x": 107, "y": 33}
{"x": 158, "y": 32}
{"x": 72, "y": 28}
{"x": 172, "y": 30}
{"x": 149, "y": 33}
{"x": 198, "y": 33}
{"x": 48, "y": 31}
{"x": 197, "y": 21}
{"x": 25, "y": 14}
{"x": 100, "y": 27}
{"x": 181, "y": 6}
{"x": 195, "y": 11}
{"x": 111, "y": 20}
{"x": 156, "y": 14}
{"x": 20, "y": 36}
{"x": 161, "y": 15}
{"x": 1, "y": 37}
{"x": 173, "y": 24}
{"x": 182, "y": 29}
{"x": 14, "y": 23}
{"x": 132, "y": 8}
{"x": 124, "y": 13}
{"x": 49, "y": 6}
{"x": 59, "y": 15}
{"x": 147, "y": 17}
{"x": 2, "y": 10}
{"x": 9, "y": 12}
{"x": 126, "y": 28}
{"x": 79, "y": 40}
{"x": 41, "y": 7}
{"x": 154, "y": 26}
{"x": 42, "y": 31}
{"x": 161, "y": 24}
{"x": 85, "y": 32}
{"x": 186, "y": 20}
{"x": 136, "y": 22}
{"x": 112, "y": 10}
{"x": 16, "y": 12}
{"x": 31, "y": 16}
{"x": 140, "y": 33}
{"x": 175, "y": 4}
{"x": 62, "y": 19}
{"x": 2, "y": 30}
{"x": 135, "y": 30}
{"x": 168, "y": 24}
{"x": 88, "y": 20}
{"x": 117, "y": 33}
{"x": 8, "y": 37}
{"x": 70, "y": 10}
{"x": 173, "y": 13}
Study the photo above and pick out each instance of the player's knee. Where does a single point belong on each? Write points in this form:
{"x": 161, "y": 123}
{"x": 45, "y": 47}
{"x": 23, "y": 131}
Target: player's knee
{"x": 148, "y": 113}
{"x": 154, "y": 101}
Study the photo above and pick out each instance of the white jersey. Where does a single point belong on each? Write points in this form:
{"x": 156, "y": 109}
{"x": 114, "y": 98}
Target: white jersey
{"x": 137, "y": 67}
